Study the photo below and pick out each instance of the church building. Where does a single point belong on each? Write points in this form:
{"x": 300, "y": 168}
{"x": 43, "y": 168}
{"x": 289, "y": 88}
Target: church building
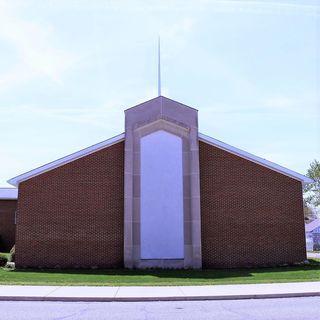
{"x": 160, "y": 195}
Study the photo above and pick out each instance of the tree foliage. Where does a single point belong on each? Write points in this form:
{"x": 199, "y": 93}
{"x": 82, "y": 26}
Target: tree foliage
{"x": 309, "y": 212}
{"x": 312, "y": 190}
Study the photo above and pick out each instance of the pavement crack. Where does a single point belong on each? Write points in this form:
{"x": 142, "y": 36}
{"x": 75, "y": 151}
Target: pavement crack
{"x": 78, "y": 313}
{"x": 55, "y": 289}
{"x": 243, "y": 316}
{"x": 180, "y": 289}
{"x": 115, "y": 295}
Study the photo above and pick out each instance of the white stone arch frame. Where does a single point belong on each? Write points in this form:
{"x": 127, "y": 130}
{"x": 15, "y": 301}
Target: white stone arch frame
{"x": 191, "y": 222}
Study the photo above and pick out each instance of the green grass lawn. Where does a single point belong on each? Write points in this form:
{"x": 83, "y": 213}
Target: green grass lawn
{"x": 161, "y": 277}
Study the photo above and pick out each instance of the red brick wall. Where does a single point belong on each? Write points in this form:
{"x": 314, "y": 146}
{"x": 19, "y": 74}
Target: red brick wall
{"x": 7, "y": 224}
{"x": 250, "y": 215}
{"x": 72, "y": 216}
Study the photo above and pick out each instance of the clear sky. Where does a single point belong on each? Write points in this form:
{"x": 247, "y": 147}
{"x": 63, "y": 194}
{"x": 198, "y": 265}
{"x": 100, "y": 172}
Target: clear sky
{"x": 68, "y": 69}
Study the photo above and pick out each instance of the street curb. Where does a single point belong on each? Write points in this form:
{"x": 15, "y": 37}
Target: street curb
{"x": 173, "y": 298}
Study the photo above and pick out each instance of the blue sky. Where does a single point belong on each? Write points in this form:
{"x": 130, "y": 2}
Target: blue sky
{"x": 68, "y": 69}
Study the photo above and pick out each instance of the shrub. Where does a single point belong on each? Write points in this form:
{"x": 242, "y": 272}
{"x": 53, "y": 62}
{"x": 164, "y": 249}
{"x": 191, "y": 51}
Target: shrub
{"x": 3, "y": 260}
{"x": 12, "y": 254}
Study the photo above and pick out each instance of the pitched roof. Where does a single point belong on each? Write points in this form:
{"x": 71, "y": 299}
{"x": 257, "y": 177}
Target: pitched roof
{"x": 312, "y": 225}
{"x": 8, "y": 193}
{"x": 107, "y": 143}
{"x": 69, "y": 158}
{"x": 249, "y": 156}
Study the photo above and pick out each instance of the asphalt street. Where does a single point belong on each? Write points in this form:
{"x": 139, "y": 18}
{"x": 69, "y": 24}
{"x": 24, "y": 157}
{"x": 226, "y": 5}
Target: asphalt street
{"x": 259, "y": 309}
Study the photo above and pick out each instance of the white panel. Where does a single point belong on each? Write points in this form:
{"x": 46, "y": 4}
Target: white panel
{"x": 161, "y": 197}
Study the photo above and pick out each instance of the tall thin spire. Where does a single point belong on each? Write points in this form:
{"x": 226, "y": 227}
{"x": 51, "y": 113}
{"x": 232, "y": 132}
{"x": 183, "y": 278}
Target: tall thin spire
{"x": 159, "y": 69}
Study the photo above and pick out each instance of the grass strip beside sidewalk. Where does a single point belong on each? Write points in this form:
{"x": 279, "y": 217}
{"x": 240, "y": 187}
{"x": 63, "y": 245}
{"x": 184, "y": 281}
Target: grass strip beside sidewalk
{"x": 122, "y": 277}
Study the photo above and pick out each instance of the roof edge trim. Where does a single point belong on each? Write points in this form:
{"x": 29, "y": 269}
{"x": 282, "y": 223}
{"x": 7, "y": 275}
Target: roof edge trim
{"x": 160, "y": 98}
{"x": 64, "y": 160}
{"x": 248, "y": 156}
{"x": 8, "y": 193}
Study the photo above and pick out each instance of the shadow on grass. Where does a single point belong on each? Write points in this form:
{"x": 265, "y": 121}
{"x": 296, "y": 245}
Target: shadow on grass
{"x": 205, "y": 274}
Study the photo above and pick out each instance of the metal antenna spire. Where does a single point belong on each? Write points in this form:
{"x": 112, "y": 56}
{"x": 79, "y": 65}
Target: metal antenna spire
{"x": 159, "y": 69}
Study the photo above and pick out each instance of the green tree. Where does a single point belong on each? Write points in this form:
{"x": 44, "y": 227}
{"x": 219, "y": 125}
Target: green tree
{"x": 309, "y": 212}
{"x": 312, "y": 190}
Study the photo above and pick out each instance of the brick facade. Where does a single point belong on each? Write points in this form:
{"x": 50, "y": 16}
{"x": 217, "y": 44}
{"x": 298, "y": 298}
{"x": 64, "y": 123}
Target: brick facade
{"x": 250, "y": 215}
{"x": 7, "y": 224}
{"x": 72, "y": 216}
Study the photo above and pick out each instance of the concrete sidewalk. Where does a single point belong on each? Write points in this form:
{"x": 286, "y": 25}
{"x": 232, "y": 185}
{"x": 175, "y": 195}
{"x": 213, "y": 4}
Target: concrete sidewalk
{"x": 216, "y": 292}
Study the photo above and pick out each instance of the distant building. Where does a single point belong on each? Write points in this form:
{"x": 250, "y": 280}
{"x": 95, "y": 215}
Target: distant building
{"x": 313, "y": 235}
{"x": 8, "y": 206}
{"x": 161, "y": 195}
